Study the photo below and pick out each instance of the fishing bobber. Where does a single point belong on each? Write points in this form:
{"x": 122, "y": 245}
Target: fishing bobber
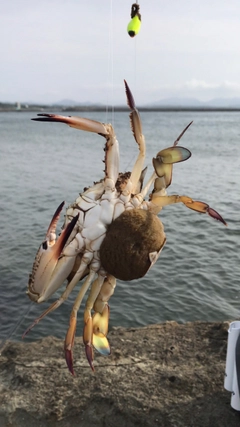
{"x": 134, "y": 25}
{"x": 232, "y": 373}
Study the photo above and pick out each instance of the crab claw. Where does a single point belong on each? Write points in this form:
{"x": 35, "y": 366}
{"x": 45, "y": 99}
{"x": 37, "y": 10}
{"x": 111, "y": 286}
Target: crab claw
{"x": 41, "y": 284}
{"x": 74, "y": 122}
{"x": 100, "y": 330}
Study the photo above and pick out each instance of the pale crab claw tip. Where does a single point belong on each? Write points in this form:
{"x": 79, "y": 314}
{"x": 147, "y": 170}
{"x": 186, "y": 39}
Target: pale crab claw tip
{"x": 215, "y": 215}
{"x": 101, "y": 344}
{"x": 55, "y": 219}
{"x": 69, "y": 361}
{"x": 130, "y": 99}
{"x": 72, "y": 224}
{"x": 89, "y": 355}
{"x": 59, "y": 209}
{"x": 70, "y": 227}
{"x": 65, "y": 235}
{"x": 44, "y": 117}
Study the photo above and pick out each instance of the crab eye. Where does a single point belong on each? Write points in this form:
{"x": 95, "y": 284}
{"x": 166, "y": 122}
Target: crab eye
{"x": 45, "y": 245}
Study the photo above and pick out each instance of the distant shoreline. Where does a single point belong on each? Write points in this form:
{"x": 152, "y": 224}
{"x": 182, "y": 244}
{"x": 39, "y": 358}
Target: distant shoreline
{"x": 173, "y": 109}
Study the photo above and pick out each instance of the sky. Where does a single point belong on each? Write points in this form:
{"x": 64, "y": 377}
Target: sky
{"x": 80, "y": 50}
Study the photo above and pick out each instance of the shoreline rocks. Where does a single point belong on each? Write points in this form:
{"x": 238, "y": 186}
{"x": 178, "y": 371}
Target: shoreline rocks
{"x": 161, "y": 375}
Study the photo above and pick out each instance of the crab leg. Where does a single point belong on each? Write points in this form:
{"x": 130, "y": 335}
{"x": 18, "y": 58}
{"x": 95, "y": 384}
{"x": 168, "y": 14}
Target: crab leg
{"x": 157, "y": 202}
{"x": 70, "y": 336}
{"x": 101, "y": 316}
{"x": 139, "y": 138}
{"x": 163, "y": 163}
{"x": 163, "y": 166}
{"x": 88, "y": 321}
{"x": 182, "y": 133}
{"x": 96, "y": 327}
{"x": 106, "y": 130}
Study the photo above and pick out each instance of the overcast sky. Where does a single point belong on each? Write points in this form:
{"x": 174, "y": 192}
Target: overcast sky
{"x": 52, "y": 50}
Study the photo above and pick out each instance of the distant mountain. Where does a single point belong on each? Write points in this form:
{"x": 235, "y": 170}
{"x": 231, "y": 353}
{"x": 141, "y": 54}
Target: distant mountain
{"x": 193, "y": 102}
{"x": 168, "y": 103}
{"x": 176, "y": 102}
{"x": 224, "y": 102}
{"x": 71, "y": 103}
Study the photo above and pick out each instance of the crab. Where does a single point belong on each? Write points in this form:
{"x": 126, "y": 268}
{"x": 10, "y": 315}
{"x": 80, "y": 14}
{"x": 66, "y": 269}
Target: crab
{"x": 111, "y": 231}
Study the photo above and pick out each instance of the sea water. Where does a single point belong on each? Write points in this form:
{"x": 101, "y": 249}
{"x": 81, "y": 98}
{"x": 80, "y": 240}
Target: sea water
{"x": 197, "y": 276}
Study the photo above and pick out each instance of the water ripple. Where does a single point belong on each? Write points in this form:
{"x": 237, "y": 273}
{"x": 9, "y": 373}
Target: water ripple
{"x": 197, "y": 275}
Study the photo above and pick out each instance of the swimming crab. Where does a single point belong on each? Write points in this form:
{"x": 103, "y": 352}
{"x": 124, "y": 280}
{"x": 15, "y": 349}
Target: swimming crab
{"x": 110, "y": 232}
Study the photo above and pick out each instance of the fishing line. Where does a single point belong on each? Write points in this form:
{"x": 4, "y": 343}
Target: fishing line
{"x": 134, "y": 65}
{"x": 15, "y": 327}
{"x": 135, "y": 25}
{"x": 110, "y": 68}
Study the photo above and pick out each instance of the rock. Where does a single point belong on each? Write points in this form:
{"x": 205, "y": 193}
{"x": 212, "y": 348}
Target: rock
{"x": 162, "y": 375}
